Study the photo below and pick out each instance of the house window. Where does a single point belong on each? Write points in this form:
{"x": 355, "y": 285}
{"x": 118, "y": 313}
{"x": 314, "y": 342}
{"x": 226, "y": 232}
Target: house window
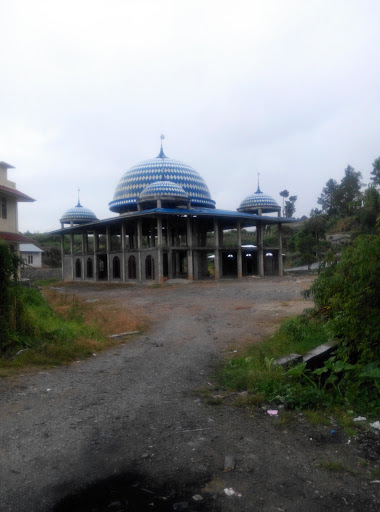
{"x": 3, "y": 208}
{"x": 30, "y": 259}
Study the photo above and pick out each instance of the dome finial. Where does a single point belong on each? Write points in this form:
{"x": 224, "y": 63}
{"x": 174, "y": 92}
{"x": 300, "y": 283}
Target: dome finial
{"x": 258, "y": 191}
{"x": 79, "y": 199}
{"x": 162, "y": 154}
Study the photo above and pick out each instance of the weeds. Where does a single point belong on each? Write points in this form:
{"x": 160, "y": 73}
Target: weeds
{"x": 63, "y": 328}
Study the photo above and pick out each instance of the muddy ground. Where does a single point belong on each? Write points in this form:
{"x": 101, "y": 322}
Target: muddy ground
{"x": 138, "y": 413}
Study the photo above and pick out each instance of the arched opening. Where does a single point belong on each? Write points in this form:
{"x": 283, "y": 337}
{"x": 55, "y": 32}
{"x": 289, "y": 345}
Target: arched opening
{"x": 78, "y": 268}
{"x": 116, "y": 268}
{"x": 102, "y": 266}
{"x": 131, "y": 267}
{"x": 149, "y": 267}
{"x": 90, "y": 269}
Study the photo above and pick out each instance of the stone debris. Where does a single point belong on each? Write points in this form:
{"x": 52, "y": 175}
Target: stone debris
{"x": 229, "y": 463}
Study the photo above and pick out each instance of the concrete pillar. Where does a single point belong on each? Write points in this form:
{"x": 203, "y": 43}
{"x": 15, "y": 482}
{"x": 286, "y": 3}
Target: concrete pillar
{"x": 72, "y": 255}
{"x": 189, "y": 236}
{"x": 63, "y": 253}
{"x": 260, "y": 249}
{"x": 239, "y": 252}
{"x": 160, "y": 269}
{"x": 217, "y": 271}
{"x": 123, "y": 234}
{"x": 108, "y": 249}
{"x": 280, "y": 262}
{"x": 139, "y": 248}
{"x": 96, "y": 249}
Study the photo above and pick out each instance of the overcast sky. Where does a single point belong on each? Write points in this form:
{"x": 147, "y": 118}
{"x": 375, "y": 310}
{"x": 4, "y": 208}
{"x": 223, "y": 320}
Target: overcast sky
{"x": 290, "y": 89}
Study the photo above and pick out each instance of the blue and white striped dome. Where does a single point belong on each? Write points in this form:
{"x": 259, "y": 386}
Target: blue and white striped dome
{"x": 160, "y": 169}
{"x": 78, "y": 215}
{"x": 163, "y": 189}
{"x": 259, "y": 201}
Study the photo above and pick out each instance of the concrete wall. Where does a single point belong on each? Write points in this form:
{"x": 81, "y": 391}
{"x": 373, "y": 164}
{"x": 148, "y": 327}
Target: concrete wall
{"x": 38, "y": 274}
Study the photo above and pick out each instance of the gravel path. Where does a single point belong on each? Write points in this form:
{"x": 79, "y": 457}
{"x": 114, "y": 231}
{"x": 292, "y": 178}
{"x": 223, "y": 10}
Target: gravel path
{"x": 136, "y": 409}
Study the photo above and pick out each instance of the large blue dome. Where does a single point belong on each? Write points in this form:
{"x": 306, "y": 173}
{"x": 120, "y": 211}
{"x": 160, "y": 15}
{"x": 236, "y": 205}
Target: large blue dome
{"x": 78, "y": 215}
{"x": 161, "y": 168}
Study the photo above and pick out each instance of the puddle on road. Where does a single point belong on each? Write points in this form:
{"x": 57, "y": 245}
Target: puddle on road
{"x": 133, "y": 493}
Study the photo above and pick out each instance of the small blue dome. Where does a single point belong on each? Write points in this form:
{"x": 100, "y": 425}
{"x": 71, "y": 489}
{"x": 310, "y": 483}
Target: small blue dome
{"x": 159, "y": 169}
{"x": 259, "y": 201}
{"x": 163, "y": 189}
{"x": 78, "y": 215}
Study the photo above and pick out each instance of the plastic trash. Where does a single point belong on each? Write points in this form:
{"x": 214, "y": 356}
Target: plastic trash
{"x": 375, "y": 424}
{"x": 229, "y": 491}
{"x": 272, "y": 412}
{"x": 197, "y": 497}
{"x": 360, "y": 418}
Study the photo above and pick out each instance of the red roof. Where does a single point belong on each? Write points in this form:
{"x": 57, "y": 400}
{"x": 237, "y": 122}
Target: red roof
{"x": 15, "y": 193}
{"x": 14, "y": 237}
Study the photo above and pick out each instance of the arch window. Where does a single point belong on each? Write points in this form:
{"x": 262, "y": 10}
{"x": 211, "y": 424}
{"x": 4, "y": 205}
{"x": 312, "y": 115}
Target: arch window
{"x": 78, "y": 268}
{"x": 149, "y": 267}
{"x": 116, "y": 268}
{"x": 131, "y": 267}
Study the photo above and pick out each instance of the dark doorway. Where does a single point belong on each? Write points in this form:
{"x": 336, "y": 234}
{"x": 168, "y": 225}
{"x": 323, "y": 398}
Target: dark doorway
{"x": 90, "y": 270}
{"x": 116, "y": 268}
{"x": 131, "y": 267}
{"x": 78, "y": 268}
{"x": 149, "y": 267}
{"x": 102, "y": 266}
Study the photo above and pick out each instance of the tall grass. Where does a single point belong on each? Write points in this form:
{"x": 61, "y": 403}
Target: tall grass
{"x": 58, "y": 328}
{"x": 254, "y": 371}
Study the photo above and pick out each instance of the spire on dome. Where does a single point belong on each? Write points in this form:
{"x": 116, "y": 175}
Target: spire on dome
{"x": 258, "y": 191}
{"x": 162, "y": 154}
{"x": 80, "y": 206}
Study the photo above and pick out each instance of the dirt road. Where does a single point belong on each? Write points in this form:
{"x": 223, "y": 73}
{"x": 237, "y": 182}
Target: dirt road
{"x": 136, "y": 410}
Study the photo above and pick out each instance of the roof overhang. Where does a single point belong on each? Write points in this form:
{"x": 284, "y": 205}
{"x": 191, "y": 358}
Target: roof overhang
{"x": 19, "y": 196}
{"x": 14, "y": 237}
{"x": 226, "y": 218}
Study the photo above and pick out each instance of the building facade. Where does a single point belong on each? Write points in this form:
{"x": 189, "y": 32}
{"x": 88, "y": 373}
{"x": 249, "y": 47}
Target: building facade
{"x": 168, "y": 228}
{"x": 9, "y": 199}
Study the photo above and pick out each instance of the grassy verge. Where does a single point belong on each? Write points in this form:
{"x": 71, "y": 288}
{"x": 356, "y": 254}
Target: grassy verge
{"x": 254, "y": 371}
{"x": 338, "y": 388}
{"x": 62, "y": 328}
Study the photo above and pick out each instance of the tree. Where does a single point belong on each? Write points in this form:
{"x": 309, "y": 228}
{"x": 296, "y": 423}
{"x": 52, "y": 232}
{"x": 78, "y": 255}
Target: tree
{"x": 349, "y": 191}
{"x": 310, "y": 239}
{"x": 348, "y": 294}
{"x": 376, "y": 171}
{"x": 342, "y": 199}
{"x": 283, "y": 194}
{"x": 290, "y": 206}
{"x": 9, "y": 297}
{"x": 327, "y": 198}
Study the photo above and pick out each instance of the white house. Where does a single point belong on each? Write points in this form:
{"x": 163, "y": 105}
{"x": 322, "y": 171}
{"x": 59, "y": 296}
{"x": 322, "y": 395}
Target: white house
{"x": 31, "y": 254}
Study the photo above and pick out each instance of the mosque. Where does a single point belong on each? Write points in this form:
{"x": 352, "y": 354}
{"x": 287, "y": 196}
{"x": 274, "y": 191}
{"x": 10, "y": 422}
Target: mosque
{"x": 168, "y": 227}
